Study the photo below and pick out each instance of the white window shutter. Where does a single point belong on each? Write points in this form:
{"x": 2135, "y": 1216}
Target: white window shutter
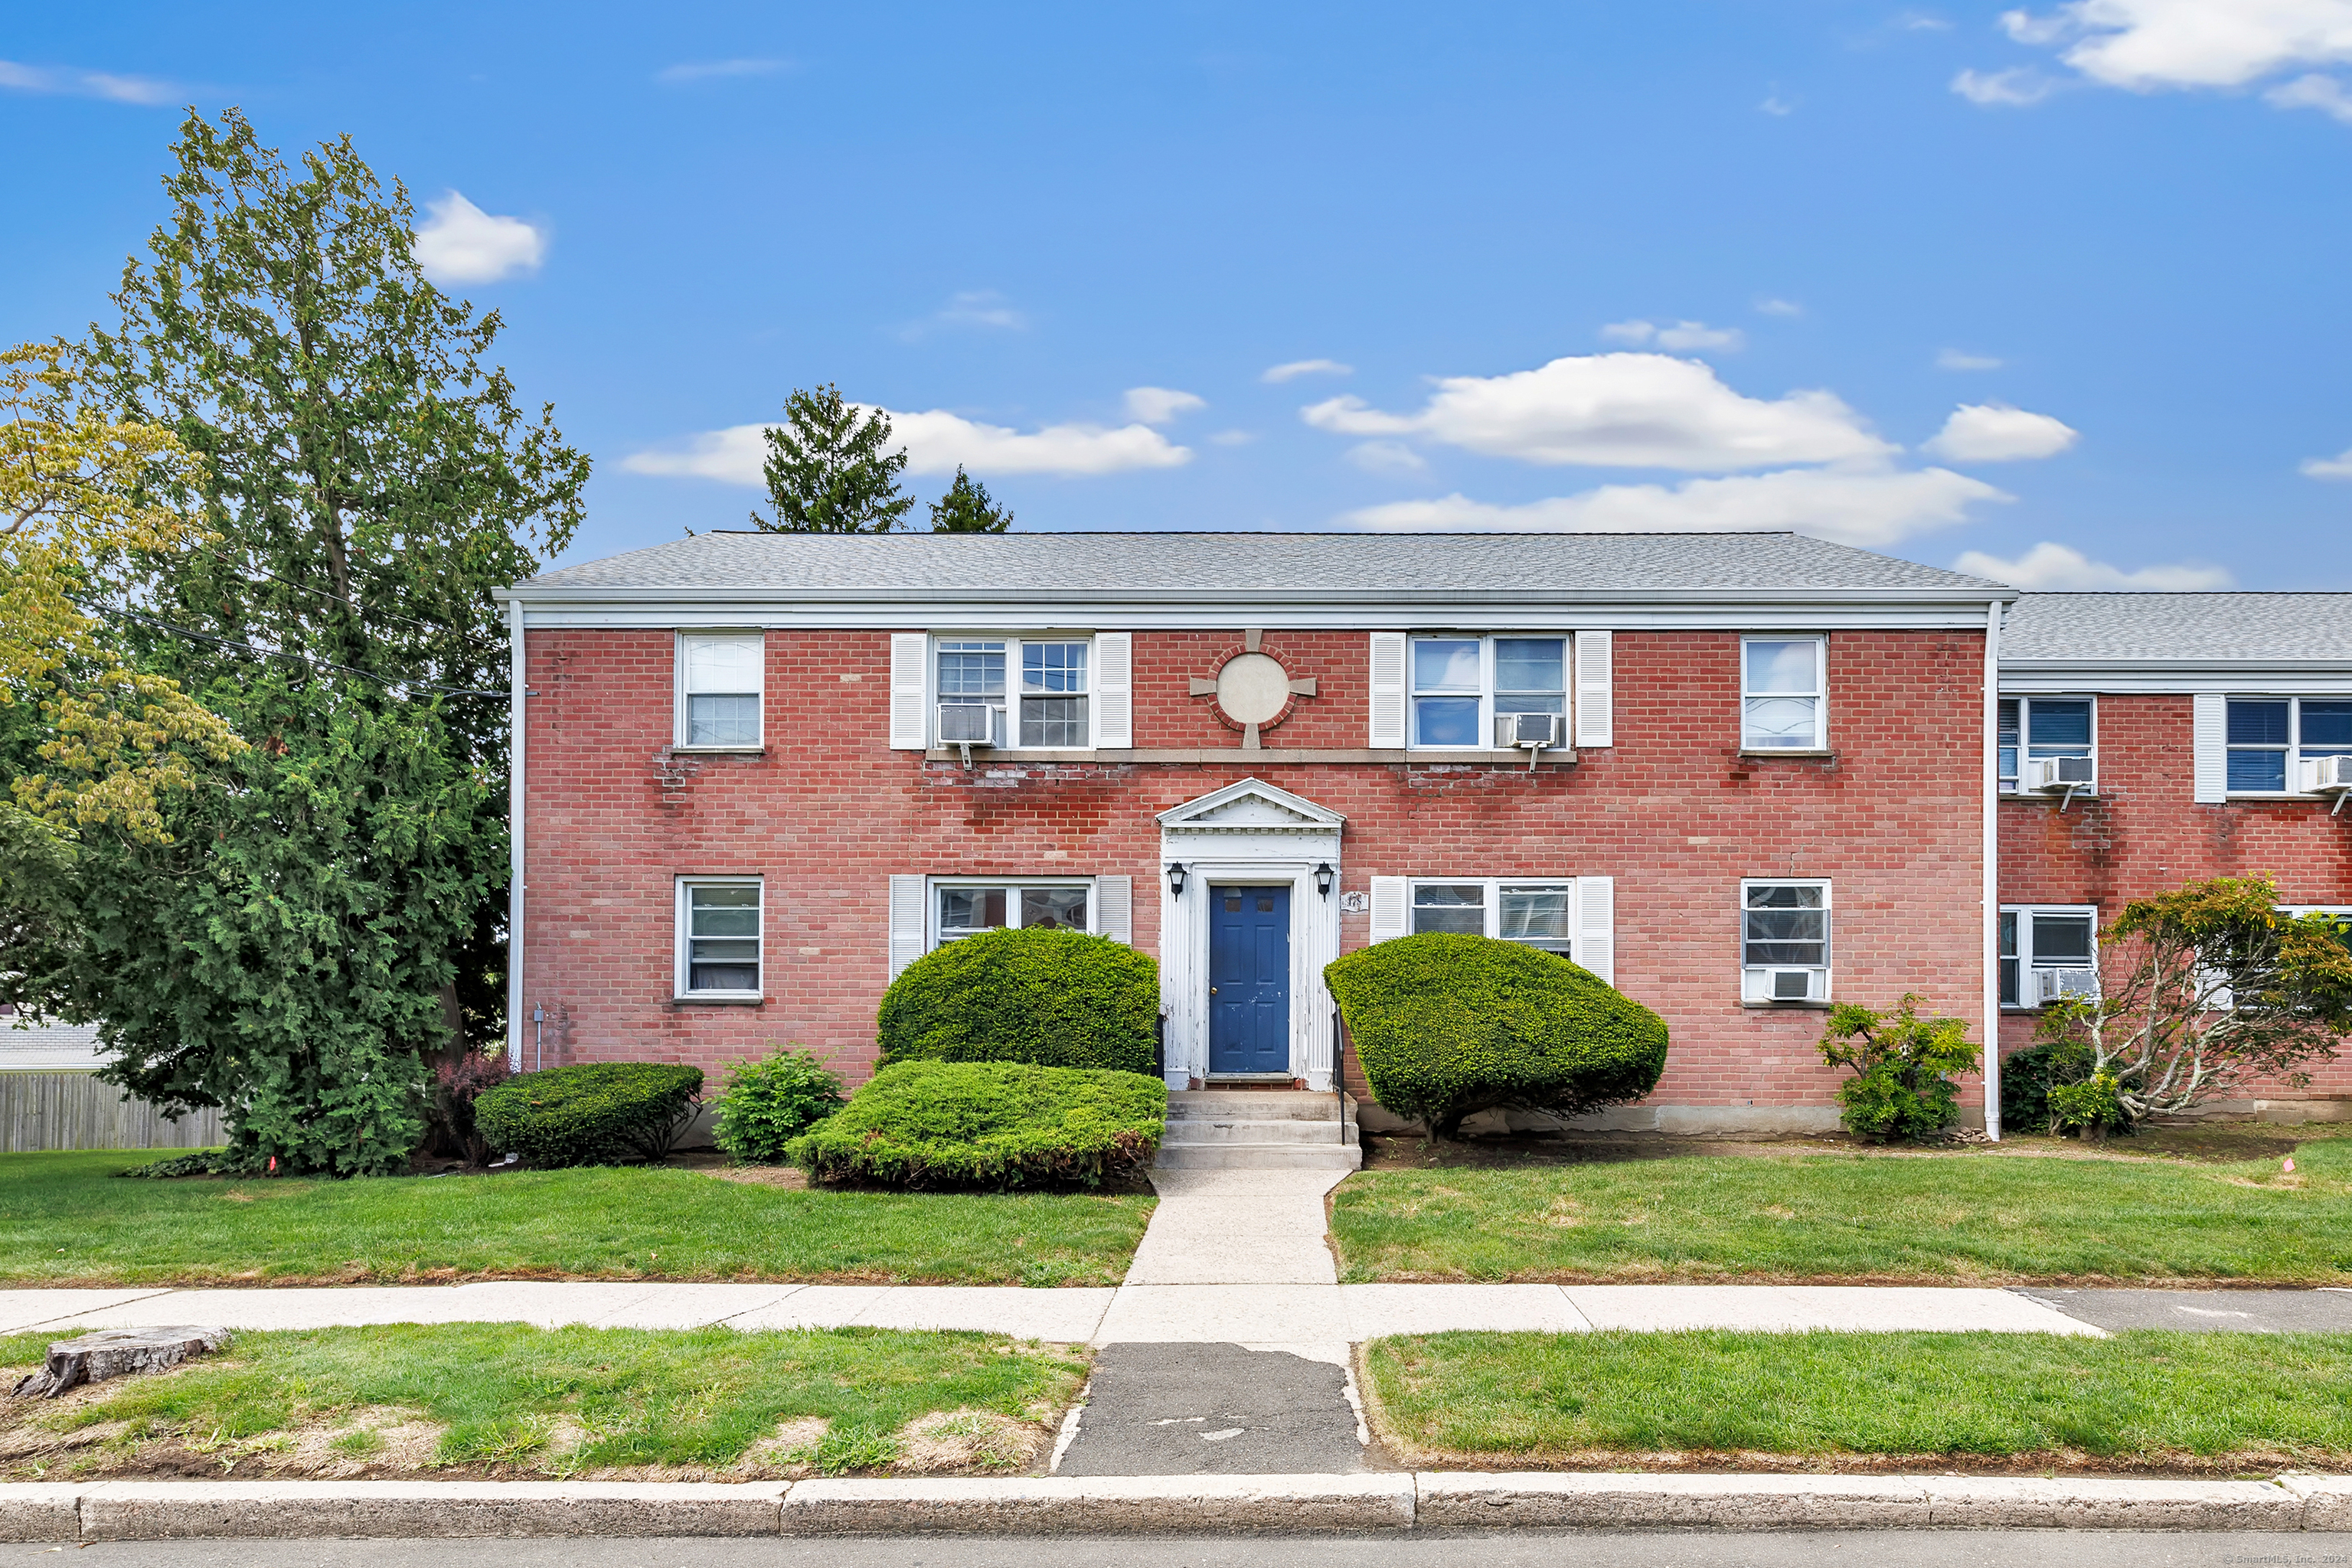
{"x": 1392, "y": 907}
{"x": 1596, "y": 717}
{"x": 2208, "y": 741}
{"x": 907, "y": 922}
{"x": 1114, "y": 690}
{"x": 1596, "y": 926}
{"x": 909, "y": 685}
{"x": 1115, "y": 908}
{"x": 1388, "y": 697}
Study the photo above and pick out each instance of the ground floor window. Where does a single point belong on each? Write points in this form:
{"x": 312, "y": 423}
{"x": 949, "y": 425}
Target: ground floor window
{"x": 719, "y": 937}
{"x": 2048, "y": 952}
{"x": 1541, "y": 913}
{"x": 2338, "y": 915}
{"x": 1784, "y": 941}
{"x": 962, "y": 907}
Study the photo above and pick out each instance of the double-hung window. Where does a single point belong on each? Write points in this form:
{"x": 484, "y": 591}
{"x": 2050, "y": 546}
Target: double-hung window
{"x": 719, "y": 938}
{"x": 2272, "y": 740}
{"x": 1463, "y": 685}
{"x": 2337, "y": 916}
{"x": 1049, "y": 705}
{"x": 1540, "y": 912}
{"x": 963, "y": 906}
{"x": 1784, "y": 941}
{"x": 971, "y": 670}
{"x": 1054, "y": 694}
{"x": 2048, "y": 952}
{"x": 2032, "y": 728}
{"x": 1783, "y": 694}
{"x": 719, "y": 687}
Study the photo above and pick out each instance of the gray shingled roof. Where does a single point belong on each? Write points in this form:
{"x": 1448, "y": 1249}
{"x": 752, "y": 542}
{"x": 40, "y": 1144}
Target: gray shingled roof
{"x": 1330, "y": 562}
{"x": 2261, "y": 628}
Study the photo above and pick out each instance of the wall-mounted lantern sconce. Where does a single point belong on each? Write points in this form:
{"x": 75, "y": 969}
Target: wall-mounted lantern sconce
{"x": 1323, "y": 878}
{"x": 1175, "y": 879}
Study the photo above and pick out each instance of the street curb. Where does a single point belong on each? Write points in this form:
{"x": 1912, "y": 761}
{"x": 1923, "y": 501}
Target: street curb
{"x": 1428, "y": 1499}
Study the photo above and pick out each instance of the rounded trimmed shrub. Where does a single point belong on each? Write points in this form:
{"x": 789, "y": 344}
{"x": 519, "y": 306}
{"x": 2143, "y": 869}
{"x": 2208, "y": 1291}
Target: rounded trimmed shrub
{"x": 987, "y": 1125}
{"x": 590, "y": 1114}
{"x": 1447, "y": 1025}
{"x": 768, "y": 1103}
{"x": 1048, "y": 997}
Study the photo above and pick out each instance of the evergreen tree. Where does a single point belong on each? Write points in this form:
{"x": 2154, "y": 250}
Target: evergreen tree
{"x": 827, "y": 471}
{"x": 967, "y": 508}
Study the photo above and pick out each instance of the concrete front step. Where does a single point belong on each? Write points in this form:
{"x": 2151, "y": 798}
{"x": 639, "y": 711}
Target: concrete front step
{"x": 1200, "y": 1130}
{"x": 1260, "y": 1157}
{"x": 1262, "y": 1105}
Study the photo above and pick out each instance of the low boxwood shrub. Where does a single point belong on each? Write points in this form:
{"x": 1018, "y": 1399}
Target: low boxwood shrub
{"x": 2027, "y": 1076}
{"x": 768, "y": 1103}
{"x": 1902, "y": 1063}
{"x": 1447, "y": 1025}
{"x": 590, "y": 1114}
{"x": 987, "y": 1125}
{"x": 1046, "y": 997}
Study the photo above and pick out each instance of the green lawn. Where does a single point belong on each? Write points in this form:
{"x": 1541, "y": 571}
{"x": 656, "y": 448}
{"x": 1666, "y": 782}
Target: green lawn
{"x": 505, "y": 1399}
{"x": 1976, "y": 1216}
{"x": 2141, "y": 1400}
{"x": 69, "y": 1220}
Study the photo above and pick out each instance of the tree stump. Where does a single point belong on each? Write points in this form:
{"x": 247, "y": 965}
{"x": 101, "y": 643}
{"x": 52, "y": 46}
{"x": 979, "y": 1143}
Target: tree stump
{"x": 116, "y": 1352}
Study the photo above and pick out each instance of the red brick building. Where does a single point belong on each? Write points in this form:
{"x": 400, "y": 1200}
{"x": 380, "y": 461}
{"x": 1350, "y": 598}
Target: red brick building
{"x": 1738, "y": 776}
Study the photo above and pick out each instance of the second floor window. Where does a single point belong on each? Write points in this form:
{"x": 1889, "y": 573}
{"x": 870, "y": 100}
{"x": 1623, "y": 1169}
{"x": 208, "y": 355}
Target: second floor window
{"x": 1038, "y": 694}
{"x": 1460, "y": 684}
{"x": 2270, "y": 739}
{"x": 1781, "y": 694}
{"x": 1054, "y": 694}
{"x": 718, "y": 690}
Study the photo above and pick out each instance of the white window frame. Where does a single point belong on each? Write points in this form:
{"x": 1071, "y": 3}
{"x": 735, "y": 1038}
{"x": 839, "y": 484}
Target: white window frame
{"x": 1008, "y": 714}
{"x": 681, "y": 728}
{"x": 1012, "y": 885}
{"x": 2295, "y": 751}
{"x": 1820, "y": 694}
{"x": 2027, "y": 991}
{"x": 1492, "y": 890}
{"x": 2009, "y": 783}
{"x": 1486, "y": 693}
{"x": 1754, "y": 982}
{"x": 681, "y": 970}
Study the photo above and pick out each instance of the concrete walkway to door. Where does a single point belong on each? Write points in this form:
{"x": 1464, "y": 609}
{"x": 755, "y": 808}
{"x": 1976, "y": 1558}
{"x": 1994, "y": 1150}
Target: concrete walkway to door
{"x": 1237, "y": 1227}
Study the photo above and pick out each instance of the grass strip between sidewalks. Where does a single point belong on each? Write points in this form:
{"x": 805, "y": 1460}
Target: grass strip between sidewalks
{"x": 1714, "y": 1399}
{"x": 1967, "y": 1217}
{"x": 69, "y": 1220}
{"x": 507, "y": 1401}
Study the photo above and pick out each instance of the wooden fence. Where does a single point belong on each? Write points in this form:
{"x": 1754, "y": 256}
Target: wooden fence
{"x": 67, "y": 1109}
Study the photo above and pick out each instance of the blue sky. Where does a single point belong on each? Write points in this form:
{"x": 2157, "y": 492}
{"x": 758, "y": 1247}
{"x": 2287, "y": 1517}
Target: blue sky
{"x": 1575, "y": 265}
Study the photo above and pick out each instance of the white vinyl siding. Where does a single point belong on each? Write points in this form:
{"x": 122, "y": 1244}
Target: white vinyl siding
{"x": 1783, "y": 694}
{"x": 719, "y": 943}
{"x": 720, "y": 688}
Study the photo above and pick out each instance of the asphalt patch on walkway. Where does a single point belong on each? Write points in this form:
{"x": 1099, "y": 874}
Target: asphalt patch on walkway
{"x": 1213, "y": 1410}
{"x": 2212, "y": 1312}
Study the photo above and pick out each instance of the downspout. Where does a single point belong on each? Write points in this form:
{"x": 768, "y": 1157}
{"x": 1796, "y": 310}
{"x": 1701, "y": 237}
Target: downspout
{"x": 1993, "y": 871}
{"x": 515, "y": 794}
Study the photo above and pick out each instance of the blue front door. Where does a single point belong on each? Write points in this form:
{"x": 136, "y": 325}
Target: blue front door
{"x": 1249, "y": 980}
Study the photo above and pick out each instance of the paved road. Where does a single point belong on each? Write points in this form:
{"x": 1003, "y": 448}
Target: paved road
{"x": 2241, "y": 1312}
{"x": 1517, "y": 1548}
{"x": 1214, "y": 1410}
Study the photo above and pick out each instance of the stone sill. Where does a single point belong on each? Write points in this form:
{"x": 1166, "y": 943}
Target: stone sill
{"x": 1788, "y": 1007}
{"x": 718, "y": 751}
{"x": 719, "y": 1000}
{"x": 1811, "y": 753}
{"x": 1564, "y": 756}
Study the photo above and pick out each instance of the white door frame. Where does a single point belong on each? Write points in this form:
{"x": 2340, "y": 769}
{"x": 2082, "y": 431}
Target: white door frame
{"x": 1248, "y": 834}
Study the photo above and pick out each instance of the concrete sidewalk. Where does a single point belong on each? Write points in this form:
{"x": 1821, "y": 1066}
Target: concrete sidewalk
{"x": 1266, "y": 1315}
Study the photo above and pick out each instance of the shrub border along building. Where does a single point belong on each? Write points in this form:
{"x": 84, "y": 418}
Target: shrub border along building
{"x": 590, "y": 1114}
{"x": 988, "y": 1124}
{"x": 1049, "y": 997}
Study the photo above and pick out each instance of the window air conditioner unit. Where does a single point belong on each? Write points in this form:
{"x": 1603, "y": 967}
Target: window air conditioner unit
{"x": 2045, "y": 775}
{"x": 2327, "y": 775}
{"x": 2065, "y": 984}
{"x": 1788, "y": 985}
{"x": 1533, "y": 732}
{"x": 967, "y": 724}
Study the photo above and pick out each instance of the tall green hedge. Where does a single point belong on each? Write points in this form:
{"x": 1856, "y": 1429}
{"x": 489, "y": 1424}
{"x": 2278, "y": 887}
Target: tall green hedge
{"x": 1447, "y": 1025}
{"x": 1047, "y": 997}
{"x": 591, "y": 1113}
{"x": 987, "y": 1125}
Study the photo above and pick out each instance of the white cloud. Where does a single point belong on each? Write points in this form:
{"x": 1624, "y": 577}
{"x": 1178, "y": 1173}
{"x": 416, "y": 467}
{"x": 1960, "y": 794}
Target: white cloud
{"x": 1618, "y": 410}
{"x": 1996, "y": 433}
{"x": 2338, "y": 466}
{"x": 983, "y": 309}
{"x": 937, "y": 442}
{"x": 2148, "y": 45}
{"x": 2012, "y": 89}
{"x": 460, "y": 243}
{"x": 1635, "y": 332}
{"x": 691, "y": 71}
{"x": 66, "y": 83}
{"x": 2058, "y": 567}
{"x": 1863, "y": 504}
{"x": 1921, "y": 22}
{"x": 1681, "y": 336}
{"x": 1232, "y": 437}
{"x": 1275, "y": 375}
{"x": 1775, "y": 105}
{"x": 1159, "y": 404}
{"x": 1387, "y": 457}
{"x": 2323, "y": 93}
{"x": 1957, "y": 359}
{"x": 1772, "y": 307}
